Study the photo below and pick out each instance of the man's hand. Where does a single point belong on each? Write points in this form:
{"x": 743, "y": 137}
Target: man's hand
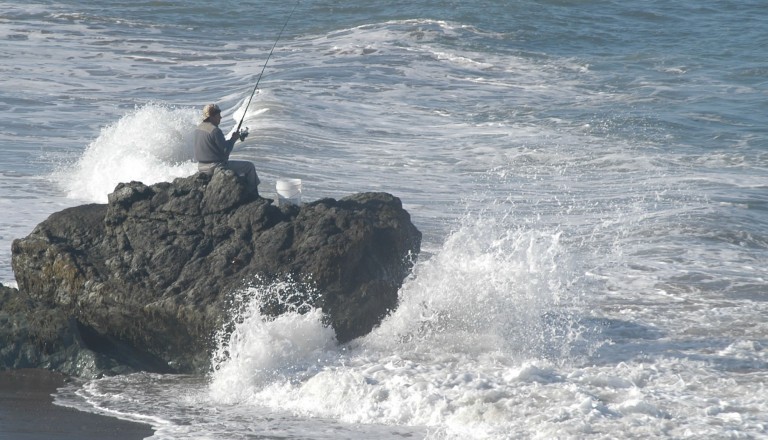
{"x": 234, "y": 136}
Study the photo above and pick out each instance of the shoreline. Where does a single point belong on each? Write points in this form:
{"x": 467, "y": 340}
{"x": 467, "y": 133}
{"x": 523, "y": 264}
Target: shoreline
{"x": 27, "y": 412}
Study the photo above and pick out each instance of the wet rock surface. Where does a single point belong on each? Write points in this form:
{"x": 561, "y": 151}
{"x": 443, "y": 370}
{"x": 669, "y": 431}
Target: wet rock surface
{"x": 144, "y": 282}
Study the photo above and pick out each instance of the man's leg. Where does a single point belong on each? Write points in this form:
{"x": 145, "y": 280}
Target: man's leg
{"x": 247, "y": 170}
{"x": 207, "y": 168}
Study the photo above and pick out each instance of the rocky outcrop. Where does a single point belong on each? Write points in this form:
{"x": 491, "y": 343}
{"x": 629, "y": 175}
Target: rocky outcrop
{"x": 33, "y": 336}
{"x": 145, "y": 281}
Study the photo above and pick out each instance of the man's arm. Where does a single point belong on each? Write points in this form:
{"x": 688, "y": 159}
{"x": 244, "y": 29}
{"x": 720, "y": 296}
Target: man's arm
{"x": 225, "y": 145}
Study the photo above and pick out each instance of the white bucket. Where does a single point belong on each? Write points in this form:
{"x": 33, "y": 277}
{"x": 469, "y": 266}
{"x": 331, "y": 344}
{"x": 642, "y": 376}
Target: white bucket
{"x": 288, "y": 192}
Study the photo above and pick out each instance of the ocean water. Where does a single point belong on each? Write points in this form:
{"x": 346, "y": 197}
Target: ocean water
{"x": 590, "y": 177}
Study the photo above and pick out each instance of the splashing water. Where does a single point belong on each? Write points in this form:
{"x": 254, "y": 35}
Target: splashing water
{"x": 487, "y": 290}
{"x": 472, "y": 327}
{"x": 259, "y": 350}
{"x": 150, "y": 144}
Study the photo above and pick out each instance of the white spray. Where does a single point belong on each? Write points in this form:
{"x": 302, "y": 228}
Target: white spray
{"x": 150, "y": 144}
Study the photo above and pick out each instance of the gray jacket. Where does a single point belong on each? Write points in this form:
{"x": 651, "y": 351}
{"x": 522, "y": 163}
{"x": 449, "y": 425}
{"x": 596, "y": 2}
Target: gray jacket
{"x": 210, "y": 145}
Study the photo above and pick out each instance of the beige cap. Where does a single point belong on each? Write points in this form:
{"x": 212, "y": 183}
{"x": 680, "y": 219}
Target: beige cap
{"x": 210, "y": 110}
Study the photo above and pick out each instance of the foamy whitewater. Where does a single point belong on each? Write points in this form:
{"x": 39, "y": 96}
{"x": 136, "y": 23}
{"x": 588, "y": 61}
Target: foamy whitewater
{"x": 590, "y": 178}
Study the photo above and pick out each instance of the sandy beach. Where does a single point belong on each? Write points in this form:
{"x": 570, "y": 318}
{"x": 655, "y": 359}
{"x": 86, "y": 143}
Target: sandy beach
{"x": 27, "y": 412}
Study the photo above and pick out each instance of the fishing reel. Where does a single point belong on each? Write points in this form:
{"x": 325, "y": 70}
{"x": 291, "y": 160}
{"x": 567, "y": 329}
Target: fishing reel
{"x": 243, "y": 133}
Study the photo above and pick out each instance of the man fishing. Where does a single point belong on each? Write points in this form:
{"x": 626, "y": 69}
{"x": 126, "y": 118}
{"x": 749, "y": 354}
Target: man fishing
{"x": 212, "y": 149}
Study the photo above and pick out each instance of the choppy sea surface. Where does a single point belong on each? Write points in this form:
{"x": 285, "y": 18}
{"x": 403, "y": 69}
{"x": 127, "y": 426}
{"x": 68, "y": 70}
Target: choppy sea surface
{"x": 590, "y": 177}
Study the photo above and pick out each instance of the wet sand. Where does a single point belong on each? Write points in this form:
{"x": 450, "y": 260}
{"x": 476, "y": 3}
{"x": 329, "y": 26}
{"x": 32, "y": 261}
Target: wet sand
{"x": 27, "y": 412}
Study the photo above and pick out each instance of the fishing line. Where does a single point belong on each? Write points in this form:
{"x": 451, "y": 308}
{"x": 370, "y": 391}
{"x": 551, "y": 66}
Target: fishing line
{"x": 264, "y": 67}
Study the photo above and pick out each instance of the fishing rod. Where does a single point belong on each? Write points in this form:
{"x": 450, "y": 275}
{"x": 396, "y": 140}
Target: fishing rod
{"x": 262, "y": 72}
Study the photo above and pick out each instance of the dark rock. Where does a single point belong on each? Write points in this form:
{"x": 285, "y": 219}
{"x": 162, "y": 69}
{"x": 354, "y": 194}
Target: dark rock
{"x": 143, "y": 282}
{"x": 33, "y": 336}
